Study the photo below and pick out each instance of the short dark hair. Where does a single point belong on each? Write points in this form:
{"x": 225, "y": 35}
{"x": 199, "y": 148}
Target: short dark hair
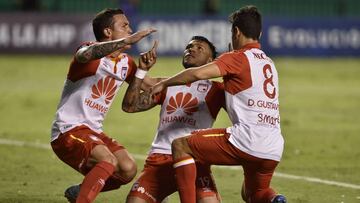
{"x": 248, "y": 20}
{"x": 102, "y": 20}
{"x": 211, "y": 45}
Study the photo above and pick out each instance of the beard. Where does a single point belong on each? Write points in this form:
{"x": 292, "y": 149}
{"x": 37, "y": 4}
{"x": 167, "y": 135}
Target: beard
{"x": 188, "y": 64}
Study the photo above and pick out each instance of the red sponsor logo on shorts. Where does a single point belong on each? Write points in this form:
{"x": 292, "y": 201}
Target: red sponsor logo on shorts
{"x": 105, "y": 88}
{"x": 185, "y": 102}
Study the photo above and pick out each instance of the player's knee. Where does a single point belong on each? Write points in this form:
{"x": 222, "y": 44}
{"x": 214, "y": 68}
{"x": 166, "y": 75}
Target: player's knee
{"x": 130, "y": 171}
{"x": 127, "y": 171}
{"x": 111, "y": 159}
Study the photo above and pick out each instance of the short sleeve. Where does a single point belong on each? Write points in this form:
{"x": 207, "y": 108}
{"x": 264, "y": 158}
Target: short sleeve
{"x": 230, "y": 63}
{"x": 78, "y": 70}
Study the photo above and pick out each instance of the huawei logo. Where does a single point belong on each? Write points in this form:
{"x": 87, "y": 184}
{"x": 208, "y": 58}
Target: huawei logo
{"x": 104, "y": 88}
{"x": 186, "y": 102}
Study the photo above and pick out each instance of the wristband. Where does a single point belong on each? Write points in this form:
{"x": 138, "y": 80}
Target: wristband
{"x": 140, "y": 73}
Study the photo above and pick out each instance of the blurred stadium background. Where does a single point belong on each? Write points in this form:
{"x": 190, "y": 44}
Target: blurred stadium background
{"x": 314, "y": 43}
{"x": 291, "y": 28}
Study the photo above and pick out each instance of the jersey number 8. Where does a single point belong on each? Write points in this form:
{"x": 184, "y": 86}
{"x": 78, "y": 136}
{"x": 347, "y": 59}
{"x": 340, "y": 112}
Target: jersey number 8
{"x": 268, "y": 82}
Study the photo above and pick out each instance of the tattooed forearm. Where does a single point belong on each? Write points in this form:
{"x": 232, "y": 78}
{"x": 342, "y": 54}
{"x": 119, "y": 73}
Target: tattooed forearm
{"x": 106, "y": 48}
{"x": 134, "y": 101}
{"x": 145, "y": 102}
{"x": 99, "y": 50}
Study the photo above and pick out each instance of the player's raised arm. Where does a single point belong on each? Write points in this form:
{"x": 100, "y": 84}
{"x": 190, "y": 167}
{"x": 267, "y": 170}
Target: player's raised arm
{"x": 101, "y": 49}
{"x": 135, "y": 100}
{"x": 189, "y": 75}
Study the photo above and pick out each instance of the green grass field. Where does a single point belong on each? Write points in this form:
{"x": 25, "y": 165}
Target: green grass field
{"x": 320, "y": 101}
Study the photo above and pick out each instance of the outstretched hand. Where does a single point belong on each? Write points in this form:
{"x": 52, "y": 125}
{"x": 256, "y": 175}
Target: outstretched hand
{"x": 137, "y": 36}
{"x": 148, "y": 59}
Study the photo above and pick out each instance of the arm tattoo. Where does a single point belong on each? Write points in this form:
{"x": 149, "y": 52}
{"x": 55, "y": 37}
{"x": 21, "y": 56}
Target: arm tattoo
{"x": 99, "y": 50}
{"x": 103, "y": 49}
{"x": 134, "y": 101}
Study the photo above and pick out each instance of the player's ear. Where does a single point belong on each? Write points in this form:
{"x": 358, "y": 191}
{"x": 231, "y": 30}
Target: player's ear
{"x": 107, "y": 32}
{"x": 237, "y": 32}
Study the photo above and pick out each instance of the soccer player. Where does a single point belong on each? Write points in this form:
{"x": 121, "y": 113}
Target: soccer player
{"x": 184, "y": 109}
{"x": 96, "y": 73}
{"x": 251, "y": 93}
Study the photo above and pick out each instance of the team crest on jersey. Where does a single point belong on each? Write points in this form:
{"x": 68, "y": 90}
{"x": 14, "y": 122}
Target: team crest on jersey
{"x": 105, "y": 88}
{"x": 123, "y": 72}
{"x": 185, "y": 102}
{"x": 202, "y": 87}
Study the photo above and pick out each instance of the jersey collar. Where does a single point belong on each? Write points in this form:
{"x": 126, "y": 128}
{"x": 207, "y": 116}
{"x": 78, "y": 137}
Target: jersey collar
{"x": 251, "y": 46}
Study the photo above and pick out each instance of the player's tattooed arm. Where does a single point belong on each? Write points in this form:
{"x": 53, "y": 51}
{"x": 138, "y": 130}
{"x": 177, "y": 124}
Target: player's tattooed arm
{"x": 101, "y": 49}
{"x": 98, "y": 50}
{"x": 136, "y": 100}
{"x": 137, "y": 97}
